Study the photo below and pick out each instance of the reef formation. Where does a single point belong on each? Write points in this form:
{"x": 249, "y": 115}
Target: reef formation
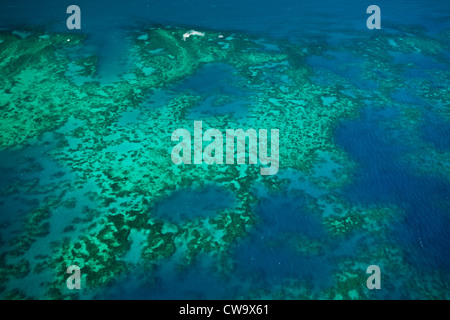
{"x": 107, "y": 149}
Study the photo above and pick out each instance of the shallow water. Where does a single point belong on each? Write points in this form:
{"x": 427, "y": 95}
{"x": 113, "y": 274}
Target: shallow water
{"x": 87, "y": 178}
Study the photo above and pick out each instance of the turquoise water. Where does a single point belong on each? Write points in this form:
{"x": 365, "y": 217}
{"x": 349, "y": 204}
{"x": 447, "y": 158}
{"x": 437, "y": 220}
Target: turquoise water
{"x": 86, "y": 176}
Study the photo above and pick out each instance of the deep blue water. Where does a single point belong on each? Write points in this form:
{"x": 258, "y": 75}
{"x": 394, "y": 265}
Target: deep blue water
{"x": 211, "y": 81}
{"x": 190, "y": 203}
{"x": 384, "y": 178}
{"x": 434, "y": 129}
{"x": 344, "y": 64}
{"x": 271, "y": 248}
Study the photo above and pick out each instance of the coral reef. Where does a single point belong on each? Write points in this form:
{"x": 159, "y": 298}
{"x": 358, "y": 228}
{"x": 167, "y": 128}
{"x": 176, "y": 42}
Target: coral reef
{"x": 122, "y": 169}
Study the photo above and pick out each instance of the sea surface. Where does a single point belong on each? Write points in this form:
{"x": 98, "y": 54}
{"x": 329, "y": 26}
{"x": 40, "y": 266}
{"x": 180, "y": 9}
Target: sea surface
{"x": 384, "y": 165}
